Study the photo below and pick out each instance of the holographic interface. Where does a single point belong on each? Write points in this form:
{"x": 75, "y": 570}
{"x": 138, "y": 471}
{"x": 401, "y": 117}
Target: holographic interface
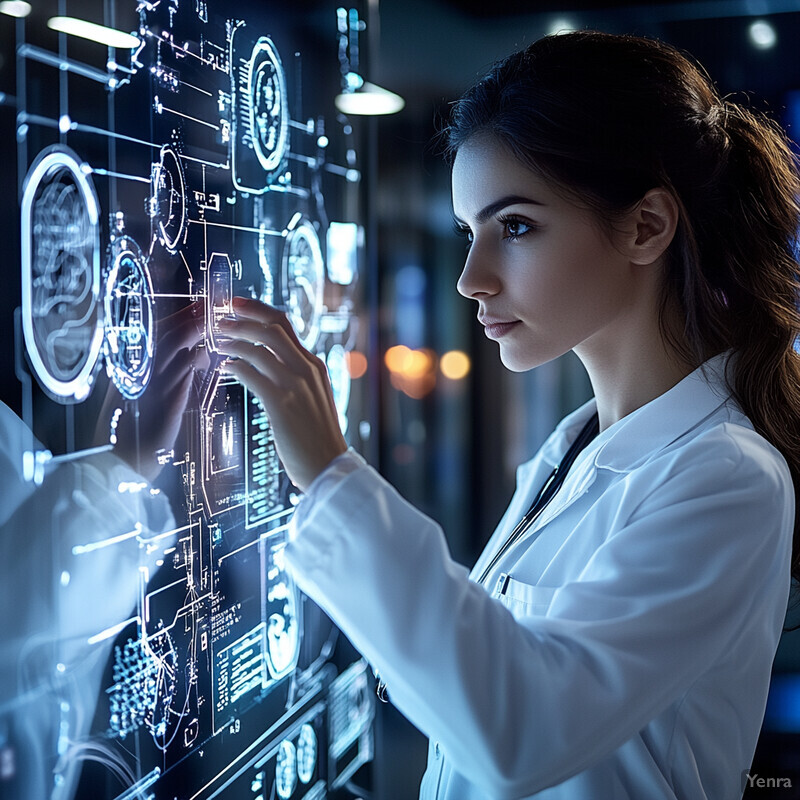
{"x": 165, "y": 652}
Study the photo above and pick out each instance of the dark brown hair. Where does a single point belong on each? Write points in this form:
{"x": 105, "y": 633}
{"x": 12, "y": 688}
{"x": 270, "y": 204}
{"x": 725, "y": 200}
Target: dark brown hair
{"x": 609, "y": 117}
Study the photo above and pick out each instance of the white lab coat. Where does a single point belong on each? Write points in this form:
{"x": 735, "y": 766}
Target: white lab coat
{"x": 629, "y": 654}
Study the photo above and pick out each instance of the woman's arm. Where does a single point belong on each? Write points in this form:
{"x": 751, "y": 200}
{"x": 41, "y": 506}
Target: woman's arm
{"x": 519, "y": 704}
{"x": 522, "y": 704}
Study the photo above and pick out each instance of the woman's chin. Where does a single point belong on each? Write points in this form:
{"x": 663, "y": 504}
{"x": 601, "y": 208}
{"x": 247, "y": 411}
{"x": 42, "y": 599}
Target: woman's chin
{"x": 523, "y": 362}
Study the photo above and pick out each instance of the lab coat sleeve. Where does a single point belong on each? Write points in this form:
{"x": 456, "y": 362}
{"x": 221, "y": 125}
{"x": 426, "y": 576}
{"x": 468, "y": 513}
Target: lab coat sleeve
{"x": 522, "y": 704}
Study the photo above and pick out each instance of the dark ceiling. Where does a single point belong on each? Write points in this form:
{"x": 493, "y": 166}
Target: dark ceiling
{"x": 433, "y": 49}
{"x": 502, "y": 8}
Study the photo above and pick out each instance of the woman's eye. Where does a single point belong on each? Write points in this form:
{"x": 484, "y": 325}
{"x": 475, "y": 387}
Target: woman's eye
{"x": 516, "y": 228}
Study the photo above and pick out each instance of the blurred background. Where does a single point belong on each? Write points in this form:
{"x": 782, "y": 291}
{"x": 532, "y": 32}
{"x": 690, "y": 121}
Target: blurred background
{"x": 441, "y": 418}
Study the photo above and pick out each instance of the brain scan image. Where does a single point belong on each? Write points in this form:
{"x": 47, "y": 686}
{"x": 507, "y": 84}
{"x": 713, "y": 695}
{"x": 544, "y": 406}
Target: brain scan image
{"x": 306, "y": 753}
{"x": 286, "y": 770}
{"x": 129, "y": 320}
{"x": 61, "y": 273}
{"x": 303, "y": 280}
{"x": 168, "y": 199}
{"x": 268, "y": 107}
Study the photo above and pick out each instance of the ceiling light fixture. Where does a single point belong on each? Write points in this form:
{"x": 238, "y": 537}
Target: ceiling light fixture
{"x": 95, "y": 33}
{"x": 369, "y": 100}
{"x": 762, "y": 35}
{"x": 15, "y": 8}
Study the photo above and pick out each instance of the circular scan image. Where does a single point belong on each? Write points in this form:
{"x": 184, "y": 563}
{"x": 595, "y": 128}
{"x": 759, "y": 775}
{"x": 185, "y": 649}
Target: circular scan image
{"x": 336, "y": 362}
{"x": 286, "y": 770}
{"x": 60, "y": 251}
{"x": 306, "y": 753}
{"x": 269, "y": 113}
{"x": 168, "y": 199}
{"x": 303, "y": 280}
{"x": 129, "y": 321}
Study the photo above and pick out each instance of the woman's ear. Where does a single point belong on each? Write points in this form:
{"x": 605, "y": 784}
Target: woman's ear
{"x": 654, "y": 221}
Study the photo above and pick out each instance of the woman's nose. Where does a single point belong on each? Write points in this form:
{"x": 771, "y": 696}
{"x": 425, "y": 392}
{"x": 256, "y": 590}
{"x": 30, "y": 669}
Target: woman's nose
{"x": 478, "y": 276}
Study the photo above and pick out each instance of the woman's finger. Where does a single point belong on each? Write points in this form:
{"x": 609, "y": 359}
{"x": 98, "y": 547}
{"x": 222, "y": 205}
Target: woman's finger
{"x": 261, "y": 358}
{"x": 266, "y": 314}
{"x": 257, "y": 310}
{"x": 255, "y": 380}
{"x": 273, "y": 336}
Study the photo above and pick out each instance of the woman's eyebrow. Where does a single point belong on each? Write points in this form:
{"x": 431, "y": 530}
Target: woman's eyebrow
{"x": 498, "y": 205}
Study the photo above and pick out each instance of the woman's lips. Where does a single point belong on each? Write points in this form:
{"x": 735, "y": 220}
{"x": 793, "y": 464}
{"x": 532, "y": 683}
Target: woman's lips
{"x": 497, "y": 330}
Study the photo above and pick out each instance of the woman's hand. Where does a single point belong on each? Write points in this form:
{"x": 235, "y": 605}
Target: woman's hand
{"x": 292, "y": 384}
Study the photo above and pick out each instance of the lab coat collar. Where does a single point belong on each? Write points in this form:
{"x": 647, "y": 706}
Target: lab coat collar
{"x": 636, "y": 437}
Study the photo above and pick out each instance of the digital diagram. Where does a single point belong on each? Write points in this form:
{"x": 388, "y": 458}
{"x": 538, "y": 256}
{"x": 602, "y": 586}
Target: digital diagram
{"x": 204, "y": 162}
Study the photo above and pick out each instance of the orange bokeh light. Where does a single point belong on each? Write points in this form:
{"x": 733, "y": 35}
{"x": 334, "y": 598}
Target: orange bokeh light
{"x": 455, "y": 365}
{"x": 417, "y": 364}
{"x": 395, "y": 357}
{"x": 356, "y": 363}
{"x": 412, "y": 372}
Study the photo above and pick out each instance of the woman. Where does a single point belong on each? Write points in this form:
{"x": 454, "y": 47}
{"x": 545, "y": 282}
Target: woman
{"x": 615, "y": 639}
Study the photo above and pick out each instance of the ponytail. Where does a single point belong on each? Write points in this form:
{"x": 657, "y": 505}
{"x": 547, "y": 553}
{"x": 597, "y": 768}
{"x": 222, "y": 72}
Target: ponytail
{"x": 739, "y": 238}
{"x": 609, "y": 117}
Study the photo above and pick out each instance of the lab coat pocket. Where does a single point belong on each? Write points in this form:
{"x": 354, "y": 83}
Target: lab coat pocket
{"x": 525, "y": 599}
